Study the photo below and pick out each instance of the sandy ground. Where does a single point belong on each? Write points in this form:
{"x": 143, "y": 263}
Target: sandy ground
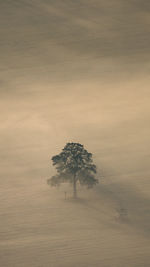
{"x": 40, "y": 228}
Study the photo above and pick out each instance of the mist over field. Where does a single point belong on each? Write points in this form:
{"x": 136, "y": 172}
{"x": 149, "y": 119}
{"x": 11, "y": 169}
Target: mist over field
{"x": 75, "y": 71}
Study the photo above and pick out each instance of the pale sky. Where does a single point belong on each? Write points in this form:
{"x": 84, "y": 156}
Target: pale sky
{"x": 74, "y": 71}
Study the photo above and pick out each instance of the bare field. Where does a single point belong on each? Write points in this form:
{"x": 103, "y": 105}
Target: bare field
{"x": 40, "y": 228}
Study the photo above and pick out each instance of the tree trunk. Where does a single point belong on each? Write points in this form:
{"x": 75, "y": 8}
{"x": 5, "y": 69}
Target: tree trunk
{"x": 74, "y": 186}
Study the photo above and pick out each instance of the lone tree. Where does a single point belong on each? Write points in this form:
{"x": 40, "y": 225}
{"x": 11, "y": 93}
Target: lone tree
{"x": 74, "y": 164}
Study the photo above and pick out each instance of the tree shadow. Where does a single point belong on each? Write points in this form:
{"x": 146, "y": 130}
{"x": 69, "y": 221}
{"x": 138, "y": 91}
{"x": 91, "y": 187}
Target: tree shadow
{"x": 132, "y": 207}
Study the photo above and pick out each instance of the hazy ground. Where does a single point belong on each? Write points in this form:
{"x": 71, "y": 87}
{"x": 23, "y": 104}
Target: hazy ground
{"x": 40, "y": 228}
{"x": 75, "y": 71}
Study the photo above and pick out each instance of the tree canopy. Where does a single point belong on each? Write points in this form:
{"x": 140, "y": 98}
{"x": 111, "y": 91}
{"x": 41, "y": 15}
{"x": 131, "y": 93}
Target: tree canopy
{"x": 74, "y": 164}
